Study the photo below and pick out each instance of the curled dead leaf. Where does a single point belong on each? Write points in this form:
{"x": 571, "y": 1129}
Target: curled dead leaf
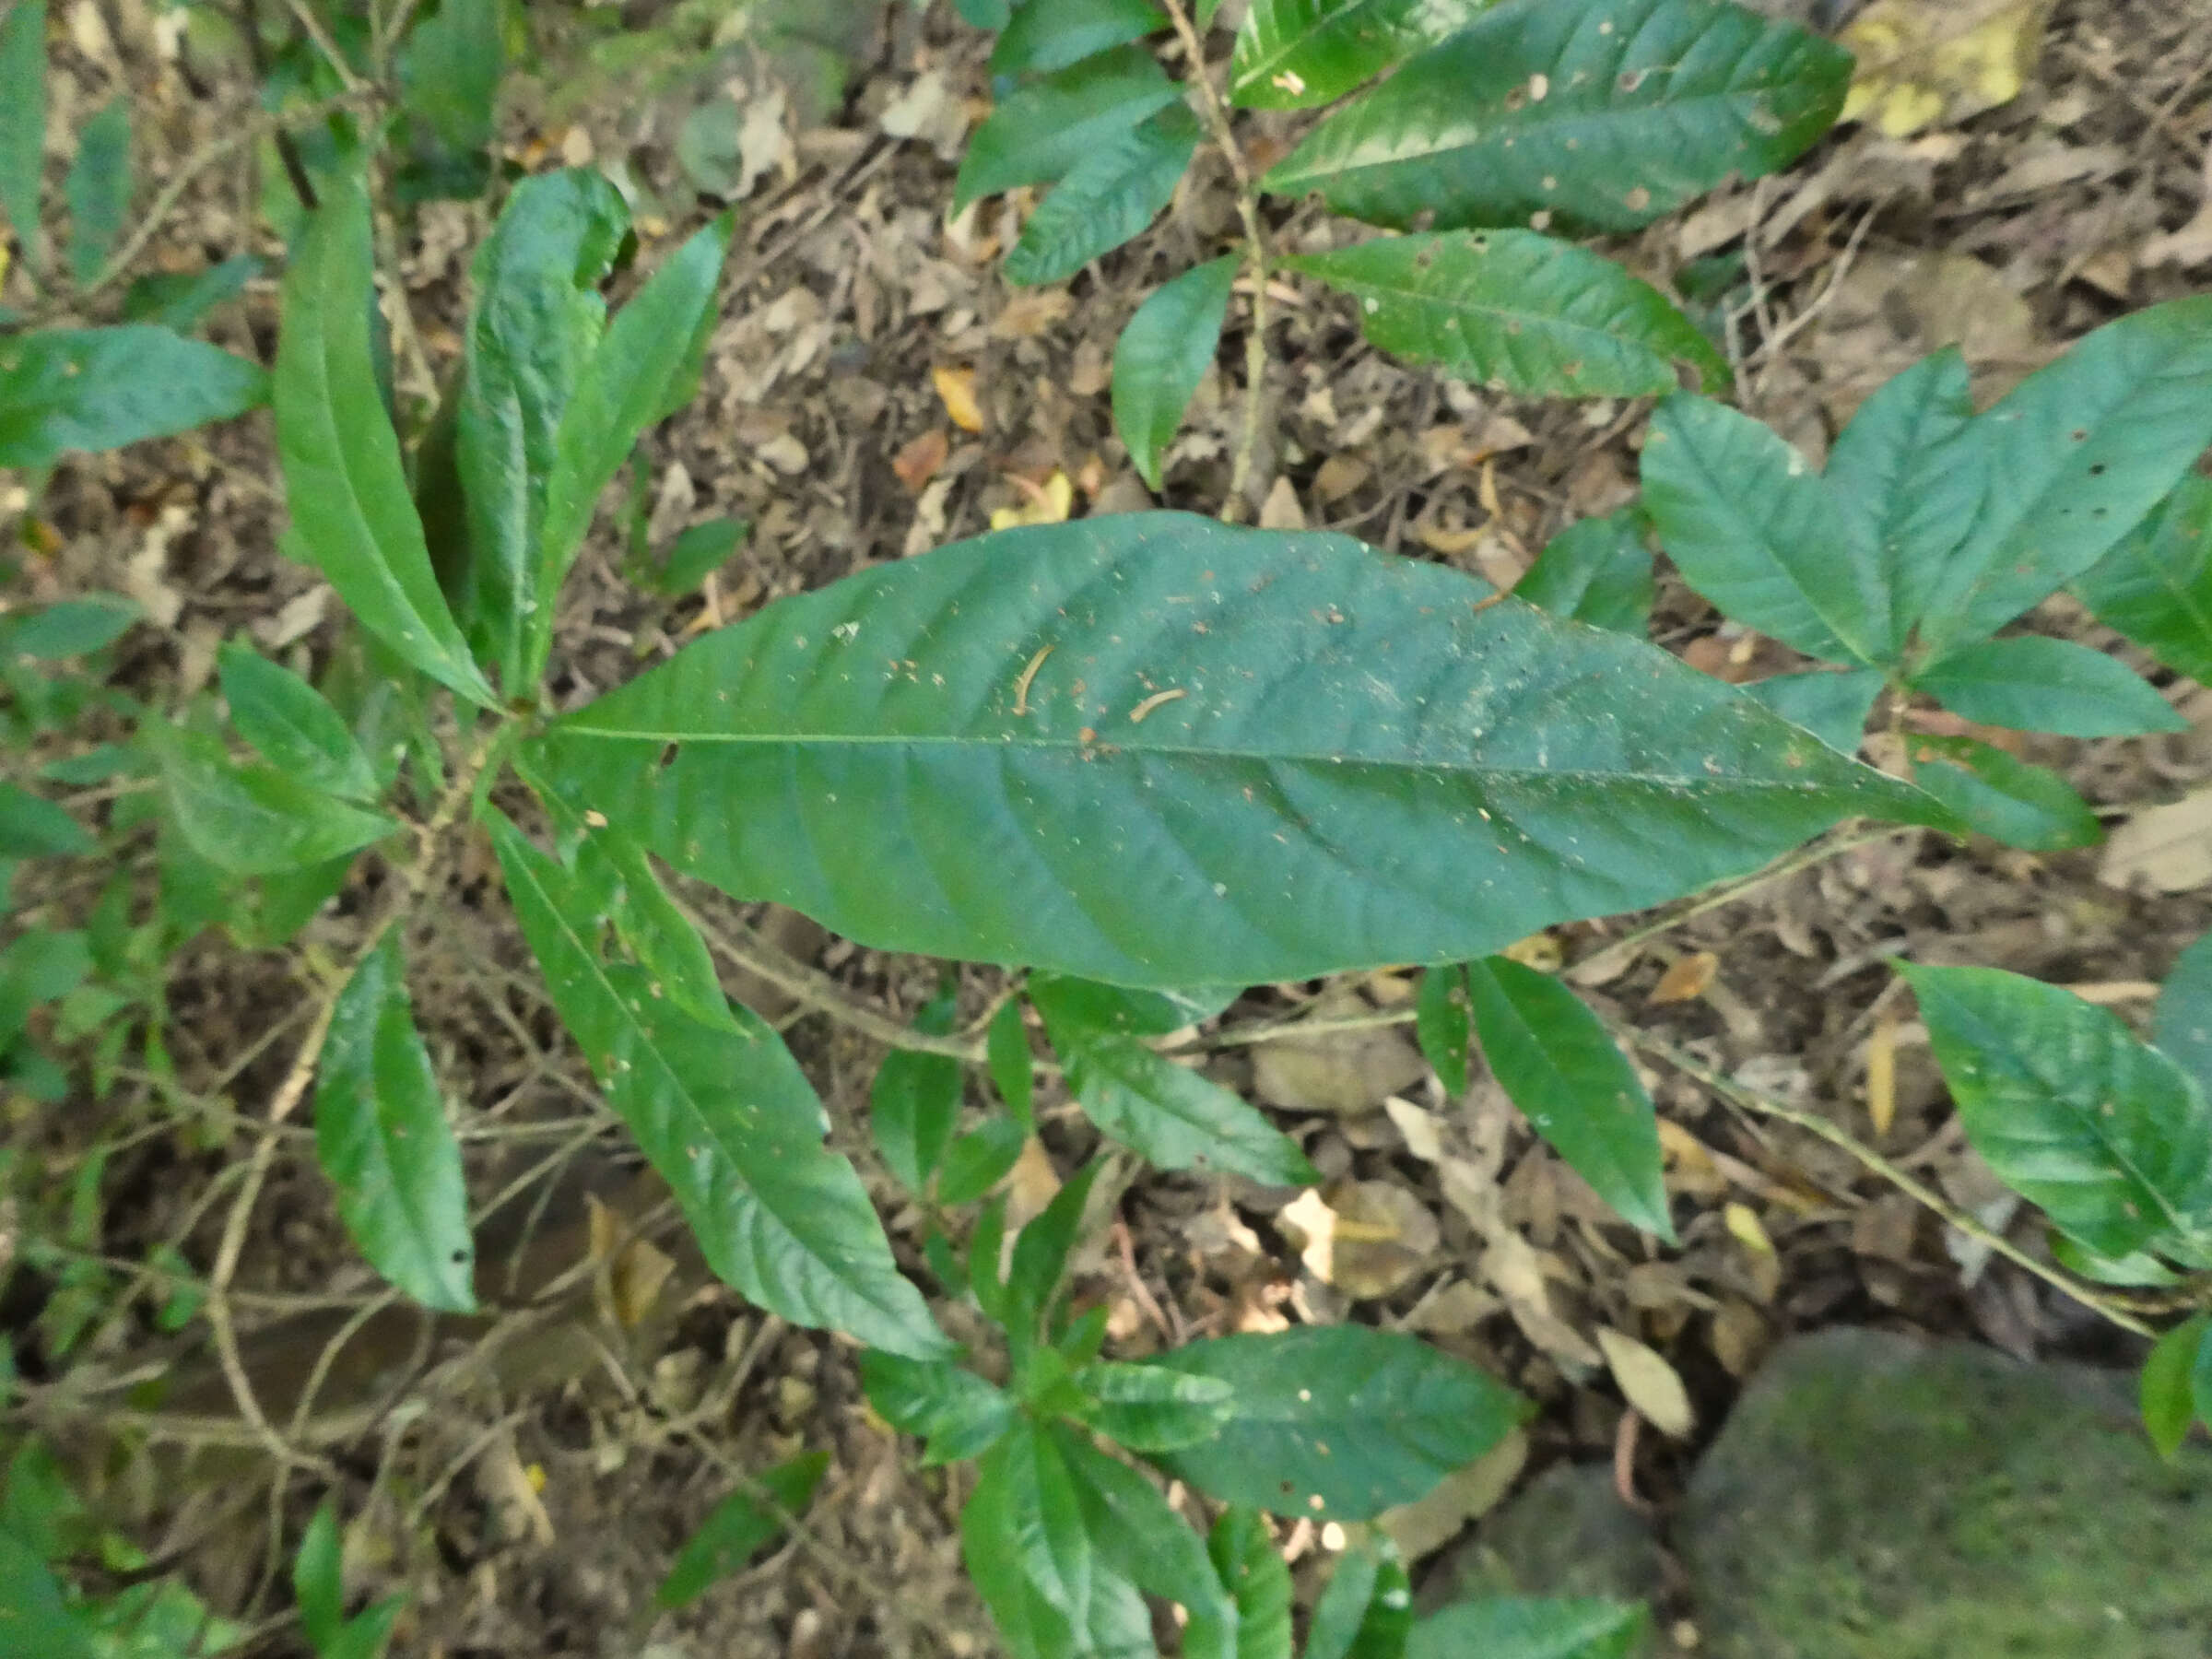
{"x": 955, "y": 390}
{"x": 1649, "y": 1384}
{"x": 1686, "y": 979}
{"x": 917, "y": 463}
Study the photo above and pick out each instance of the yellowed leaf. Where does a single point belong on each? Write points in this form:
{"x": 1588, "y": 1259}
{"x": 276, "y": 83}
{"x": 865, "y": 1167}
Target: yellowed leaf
{"x": 1368, "y": 1239}
{"x": 1881, "y": 1073}
{"x": 955, "y": 390}
{"x": 1761, "y": 1262}
{"x": 1046, "y": 503}
{"x": 1687, "y": 978}
{"x": 1541, "y": 951}
{"x": 1926, "y": 61}
{"x": 1649, "y": 1384}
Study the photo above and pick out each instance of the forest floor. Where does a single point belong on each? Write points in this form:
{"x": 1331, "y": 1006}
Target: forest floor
{"x": 531, "y": 1504}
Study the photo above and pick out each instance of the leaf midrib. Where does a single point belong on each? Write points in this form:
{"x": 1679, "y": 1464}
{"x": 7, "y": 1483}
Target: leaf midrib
{"x": 1548, "y": 320}
{"x": 1257, "y": 70}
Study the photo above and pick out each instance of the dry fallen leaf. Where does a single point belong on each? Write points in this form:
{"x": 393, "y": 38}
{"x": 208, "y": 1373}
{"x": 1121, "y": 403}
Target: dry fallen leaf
{"x": 1281, "y": 510}
{"x": 1424, "y": 1527}
{"x": 1541, "y": 951}
{"x": 1881, "y": 1073}
{"x": 1924, "y": 62}
{"x": 1686, "y": 979}
{"x": 1347, "y": 1073}
{"x": 1762, "y": 1263}
{"x": 1367, "y": 1239}
{"x": 917, "y": 463}
{"x": 636, "y": 1270}
{"x": 1046, "y": 503}
{"x": 2162, "y": 849}
{"x": 955, "y": 390}
{"x": 1649, "y": 1384}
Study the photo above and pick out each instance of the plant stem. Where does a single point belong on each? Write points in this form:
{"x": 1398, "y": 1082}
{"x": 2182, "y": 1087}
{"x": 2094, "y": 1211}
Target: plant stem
{"x": 1745, "y": 1100}
{"x": 1255, "y": 254}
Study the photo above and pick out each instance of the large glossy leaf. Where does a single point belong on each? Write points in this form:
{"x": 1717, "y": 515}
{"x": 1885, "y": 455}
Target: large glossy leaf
{"x": 1178, "y": 1119}
{"x": 2000, "y": 794}
{"x": 1106, "y": 198}
{"x": 1903, "y": 503}
{"x": 1500, "y": 1626}
{"x": 1254, "y": 1571}
{"x": 1027, "y": 1546}
{"x": 2035, "y": 683}
{"x": 959, "y": 1414}
{"x": 1295, "y": 55}
{"x": 639, "y": 373}
{"x": 1138, "y": 1537}
{"x": 1597, "y": 571}
{"x": 1753, "y": 527}
{"x": 2155, "y": 586}
{"x": 1043, "y": 130}
{"x": 1356, "y": 1419}
{"x": 1517, "y": 312}
{"x": 253, "y": 820}
{"x": 2109, "y": 1135}
{"x": 537, "y": 318}
{"x": 1152, "y": 1407}
{"x": 739, "y": 1527}
{"x": 343, "y": 479}
{"x": 1596, "y": 115}
{"x": 2182, "y": 1023}
{"x": 1046, "y": 35}
{"x": 1151, "y": 749}
{"x": 1559, "y": 1066}
{"x": 1833, "y": 707}
{"x": 288, "y": 720}
{"x": 382, "y": 1138}
{"x": 727, "y": 1117}
{"x": 65, "y": 389}
{"x": 1161, "y": 357}
{"x": 99, "y": 188}
{"x": 1367, "y": 1610}
{"x": 23, "y": 126}
{"x": 2077, "y": 455}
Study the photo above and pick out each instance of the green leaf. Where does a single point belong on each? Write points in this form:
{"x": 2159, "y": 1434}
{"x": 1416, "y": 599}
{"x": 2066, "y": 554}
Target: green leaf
{"x": 33, "y": 826}
{"x": 178, "y": 300}
{"x": 368, "y": 1635}
{"x": 2020, "y": 805}
{"x": 23, "y": 126}
{"x": 979, "y": 1160}
{"x": 1755, "y": 530}
{"x": 1150, "y": 1407}
{"x": 1367, "y": 1610}
{"x": 253, "y": 820}
{"x": 1442, "y": 1024}
{"x": 1069, "y": 1004}
{"x": 1175, "y": 1117}
{"x": 1560, "y": 1066}
{"x": 1048, "y": 35}
{"x": 449, "y": 71}
{"x": 537, "y": 320}
{"x": 1394, "y": 1415}
{"x": 916, "y": 1100}
{"x": 1138, "y": 1537}
{"x": 1510, "y": 1627}
{"x": 98, "y": 189}
{"x": 318, "y": 1580}
{"x": 38, "y": 1623}
{"x": 2034, "y": 684}
{"x": 1517, "y": 312}
{"x": 655, "y": 932}
{"x": 1597, "y": 571}
{"x": 1600, "y": 114}
{"x": 1161, "y": 357}
{"x": 1109, "y": 196}
{"x": 696, "y": 555}
{"x": 343, "y": 474}
{"x": 2181, "y": 1022}
{"x": 2169, "y": 1395}
{"x": 1833, "y": 707}
{"x": 2108, "y": 1136}
{"x": 289, "y": 721}
{"x": 382, "y": 1138}
{"x": 96, "y": 389}
{"x": 1024, "y": 1536}
{"x": 1903, "y": 504}
{"x": 738, "y": 1528}
{"x": 959, "y": 1414}
{"x": 2071, "y": 461}
{"x": 986, "y": 1262}
{"x": 729, "y": 1121}
{"x": 1038, "y": 133}
{"x": 890, "y": 789}
{"x": 74, "y": 628}
{"x": 1007, "y": 1058}
{"x": 1257, "y": 1579}
{"x": 633, "y": 379}
{"x": 1041, "y": 1252}
{"x": 2155, "y": 586}
{"x": 1296, "y": 55}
